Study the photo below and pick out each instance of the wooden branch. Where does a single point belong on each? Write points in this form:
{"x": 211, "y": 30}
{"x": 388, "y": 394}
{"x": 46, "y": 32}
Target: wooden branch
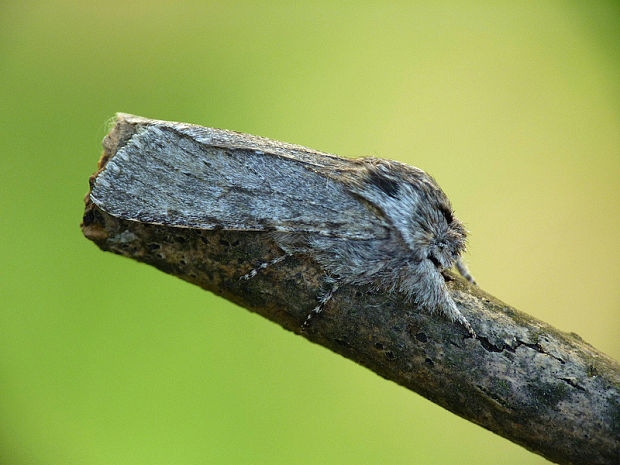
{"x": 547, "y": 390}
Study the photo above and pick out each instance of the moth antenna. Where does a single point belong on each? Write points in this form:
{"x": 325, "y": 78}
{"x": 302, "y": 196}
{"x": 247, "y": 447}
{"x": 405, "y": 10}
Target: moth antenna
{"x": 464, "y": 271}
{"x": 262, "y": 266}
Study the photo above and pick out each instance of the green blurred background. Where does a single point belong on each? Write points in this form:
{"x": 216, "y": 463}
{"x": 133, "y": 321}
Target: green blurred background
{"x": 514, "y": 108}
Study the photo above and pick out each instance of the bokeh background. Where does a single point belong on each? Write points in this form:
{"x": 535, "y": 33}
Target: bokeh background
{"x": 514, "y": 107}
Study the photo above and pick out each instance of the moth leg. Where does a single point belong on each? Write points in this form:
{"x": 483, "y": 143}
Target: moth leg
{"x": 448, "y": 307}
{"x": 262, "y": 266}
{"x": 464, "y": 272}
{"x": 322, "y": 302}
{"x": 428, "y": 288}
{"x": 455, "y": 315}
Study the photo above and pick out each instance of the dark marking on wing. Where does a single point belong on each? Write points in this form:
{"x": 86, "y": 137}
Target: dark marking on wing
{"x": 447, "y": 214}
{"x": 164, "y": 176}
{"x": 389, "y": 186}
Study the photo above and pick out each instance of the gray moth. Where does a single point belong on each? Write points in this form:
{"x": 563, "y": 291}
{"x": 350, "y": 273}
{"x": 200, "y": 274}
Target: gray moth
{"x": 365, "y": 221}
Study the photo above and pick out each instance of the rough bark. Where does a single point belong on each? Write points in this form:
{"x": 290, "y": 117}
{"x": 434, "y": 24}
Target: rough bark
{"x": 547, "y": 390}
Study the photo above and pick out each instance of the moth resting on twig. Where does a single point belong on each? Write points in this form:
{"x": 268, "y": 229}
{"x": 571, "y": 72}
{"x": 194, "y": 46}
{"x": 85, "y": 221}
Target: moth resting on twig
{"x": 364, "y": 221}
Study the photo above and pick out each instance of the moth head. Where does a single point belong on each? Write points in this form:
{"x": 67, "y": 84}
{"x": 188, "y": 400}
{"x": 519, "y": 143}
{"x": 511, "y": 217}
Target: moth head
{"x": 417, "y": 207}
{"x": 447, "y": 238}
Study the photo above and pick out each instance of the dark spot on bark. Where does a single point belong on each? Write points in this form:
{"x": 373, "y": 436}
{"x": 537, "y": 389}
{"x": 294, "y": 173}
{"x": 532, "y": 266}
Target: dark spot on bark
{"x": 384, "y": 184}
{"x": 538, "y": 348}
{"x": 548, "y": 394}
{"x": 390, "y": 355}
{"x": 154, "y": 246}
{"x": 421, "y": 337}
{"x": 180, "y": 239}
{"x": 494, "y": 395}
{"x": 224, "y": 242}
{"x": 488, "y": 346}
{"x": 342, "y": 342}
{"x": 429, "y": 362}
{"x": 378, "y": 345}
{"x": 571, "y": 382}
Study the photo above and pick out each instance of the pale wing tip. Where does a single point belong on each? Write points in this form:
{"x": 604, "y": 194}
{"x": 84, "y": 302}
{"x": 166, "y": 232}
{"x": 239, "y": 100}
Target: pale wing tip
{"x": 128, "y": 117}
{"x": 122, "y": 127}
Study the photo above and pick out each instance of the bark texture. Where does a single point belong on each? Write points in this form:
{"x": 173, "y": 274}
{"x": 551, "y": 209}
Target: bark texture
{"x": 544, "y": 389}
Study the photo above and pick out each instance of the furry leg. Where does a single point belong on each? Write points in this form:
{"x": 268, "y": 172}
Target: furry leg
{"x": 457, "y": 316}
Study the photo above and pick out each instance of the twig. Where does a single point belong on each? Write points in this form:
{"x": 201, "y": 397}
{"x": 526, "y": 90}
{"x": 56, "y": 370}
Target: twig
{"x": 547, "y": 390}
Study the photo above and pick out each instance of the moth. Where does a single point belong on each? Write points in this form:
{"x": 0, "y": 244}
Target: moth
{"x": 365, "y": 221}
